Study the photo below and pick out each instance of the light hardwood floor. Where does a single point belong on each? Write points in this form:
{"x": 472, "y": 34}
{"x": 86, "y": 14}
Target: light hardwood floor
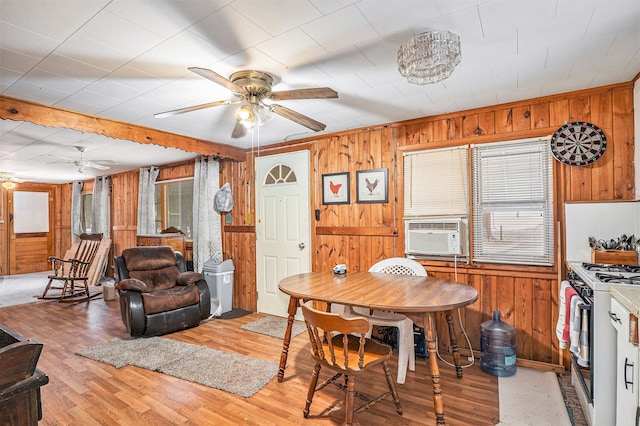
{"x": 86, "y": 392}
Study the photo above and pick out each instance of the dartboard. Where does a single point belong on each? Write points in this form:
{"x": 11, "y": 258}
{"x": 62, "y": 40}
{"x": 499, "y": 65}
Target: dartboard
{"x": 578, "y": 143}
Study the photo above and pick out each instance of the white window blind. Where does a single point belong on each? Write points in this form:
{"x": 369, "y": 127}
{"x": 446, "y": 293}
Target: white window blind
{"x": 436, "y": 183}
{"x": 513, "y": 202}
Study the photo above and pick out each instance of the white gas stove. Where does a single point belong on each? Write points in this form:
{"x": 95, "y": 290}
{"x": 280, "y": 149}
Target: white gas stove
{"x": 600, "y": 277}
{"x": 596, "y": 383}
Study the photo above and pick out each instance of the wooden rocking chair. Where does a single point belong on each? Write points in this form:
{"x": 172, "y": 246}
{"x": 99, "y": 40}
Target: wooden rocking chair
{"x": 84, "y": 264}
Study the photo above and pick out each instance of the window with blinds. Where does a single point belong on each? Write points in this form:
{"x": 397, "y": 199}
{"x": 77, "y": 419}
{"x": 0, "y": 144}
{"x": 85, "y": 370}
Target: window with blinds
{"x": 436, "y": 183}
{"x": 513, "y": 202}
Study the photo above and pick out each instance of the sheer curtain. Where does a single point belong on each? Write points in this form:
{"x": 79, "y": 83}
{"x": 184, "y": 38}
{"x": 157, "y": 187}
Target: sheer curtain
{"x": 207, "y": 232}
{"x": 146, "y": 200}
{"x": 76, "y": 210}
{"x": 100, "y": 206}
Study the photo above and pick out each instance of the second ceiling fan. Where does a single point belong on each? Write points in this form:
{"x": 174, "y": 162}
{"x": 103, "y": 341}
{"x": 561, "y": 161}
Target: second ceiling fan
{"x": 251, "y": 89}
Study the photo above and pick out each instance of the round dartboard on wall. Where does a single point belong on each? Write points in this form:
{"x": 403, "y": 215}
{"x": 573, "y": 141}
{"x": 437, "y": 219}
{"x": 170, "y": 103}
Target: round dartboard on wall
{"x": 578, "y": 143}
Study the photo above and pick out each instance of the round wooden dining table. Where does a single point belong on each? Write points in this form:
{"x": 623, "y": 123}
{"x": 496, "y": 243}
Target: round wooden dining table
{"x": 416, "y": 297}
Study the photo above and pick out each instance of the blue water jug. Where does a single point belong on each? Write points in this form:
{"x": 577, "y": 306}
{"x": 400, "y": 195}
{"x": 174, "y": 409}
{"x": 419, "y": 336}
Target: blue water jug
{"x": 497, "y": 347}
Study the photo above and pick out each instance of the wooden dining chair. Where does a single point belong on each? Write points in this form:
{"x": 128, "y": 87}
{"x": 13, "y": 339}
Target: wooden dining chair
{"x": 406, "y": 349}
{"x": 340, "y": 344}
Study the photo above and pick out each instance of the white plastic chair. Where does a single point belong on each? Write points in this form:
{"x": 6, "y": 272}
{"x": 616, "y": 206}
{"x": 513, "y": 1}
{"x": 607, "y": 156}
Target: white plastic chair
{"x": 406, "y": 351}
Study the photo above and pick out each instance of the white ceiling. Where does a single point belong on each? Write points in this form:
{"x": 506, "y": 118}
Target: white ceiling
{"x": 127, "y": 60}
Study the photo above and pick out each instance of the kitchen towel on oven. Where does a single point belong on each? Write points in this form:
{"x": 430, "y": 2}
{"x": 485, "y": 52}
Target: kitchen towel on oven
{"x": 564, "y": 314}
{"x": 574, "y": 324}
{"x": 583, "y": 355}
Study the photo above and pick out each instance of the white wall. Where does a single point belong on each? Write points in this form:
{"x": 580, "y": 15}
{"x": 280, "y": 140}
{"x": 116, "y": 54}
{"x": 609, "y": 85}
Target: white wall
{"x": 601, "y": 220}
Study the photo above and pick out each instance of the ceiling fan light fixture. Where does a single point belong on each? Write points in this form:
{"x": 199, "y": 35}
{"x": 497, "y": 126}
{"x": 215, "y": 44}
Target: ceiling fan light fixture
{"x": 263, "y": 114}
{"x": 429, "y": 57}
{"x": 246, "y": 116}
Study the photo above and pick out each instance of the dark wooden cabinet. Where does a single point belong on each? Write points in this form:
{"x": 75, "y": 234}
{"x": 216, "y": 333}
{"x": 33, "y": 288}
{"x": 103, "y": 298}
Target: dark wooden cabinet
{"x": 176, "y": 241}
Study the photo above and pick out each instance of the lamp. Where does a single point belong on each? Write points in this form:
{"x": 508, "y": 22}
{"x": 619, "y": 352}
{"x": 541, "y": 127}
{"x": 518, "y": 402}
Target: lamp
{"x": 429, "y": 57}
{"x": 246, "y": 117}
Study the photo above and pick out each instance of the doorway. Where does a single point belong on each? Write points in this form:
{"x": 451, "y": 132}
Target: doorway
{"x": 283, "y": 226}
{"x": 30, "y": 216}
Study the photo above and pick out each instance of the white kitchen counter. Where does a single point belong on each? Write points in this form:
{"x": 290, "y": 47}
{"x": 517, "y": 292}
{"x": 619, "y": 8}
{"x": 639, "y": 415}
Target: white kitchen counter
{"x": 628, "y": 296}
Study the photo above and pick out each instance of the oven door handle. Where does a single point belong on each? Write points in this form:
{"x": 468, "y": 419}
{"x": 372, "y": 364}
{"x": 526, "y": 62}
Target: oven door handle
{"x": 626, "y": 380}
{"x": 614, "y": 317}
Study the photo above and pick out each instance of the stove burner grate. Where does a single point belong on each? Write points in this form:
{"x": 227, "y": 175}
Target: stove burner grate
{"x": 610, "y": 268}
{"x": 618, "y": 279}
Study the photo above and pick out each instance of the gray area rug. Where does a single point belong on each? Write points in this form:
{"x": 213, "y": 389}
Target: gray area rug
{"x": 274, "y": 327}
{"x": 234, "y": 373}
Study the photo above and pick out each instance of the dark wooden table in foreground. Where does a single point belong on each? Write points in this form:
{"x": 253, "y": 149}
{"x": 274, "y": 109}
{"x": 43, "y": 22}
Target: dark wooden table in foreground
{"x": 416, "y": 297}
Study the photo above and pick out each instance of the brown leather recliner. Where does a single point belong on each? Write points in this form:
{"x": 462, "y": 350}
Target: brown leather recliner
{"x": 157, "y": 294}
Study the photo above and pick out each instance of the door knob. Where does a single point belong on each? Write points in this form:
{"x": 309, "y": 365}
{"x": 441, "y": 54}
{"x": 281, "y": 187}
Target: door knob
{"x": 301, "y": 246}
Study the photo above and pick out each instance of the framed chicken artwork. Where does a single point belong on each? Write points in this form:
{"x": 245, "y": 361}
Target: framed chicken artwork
{"x": 372, "y": 186}
{"x": 335, "y": 188}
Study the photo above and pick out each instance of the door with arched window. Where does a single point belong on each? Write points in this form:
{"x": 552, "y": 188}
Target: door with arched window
{"x": 283, "y": 226}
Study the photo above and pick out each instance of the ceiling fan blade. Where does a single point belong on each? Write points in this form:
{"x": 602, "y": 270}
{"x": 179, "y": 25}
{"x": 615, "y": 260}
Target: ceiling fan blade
{"x": 217, "y": 78}
{"x": 310, "y": 93}
{"x": 298, "y": 118}
{"x": 238, "y": 130}
{"x": 97, "y": 166}
{"x": 193, "y": 108}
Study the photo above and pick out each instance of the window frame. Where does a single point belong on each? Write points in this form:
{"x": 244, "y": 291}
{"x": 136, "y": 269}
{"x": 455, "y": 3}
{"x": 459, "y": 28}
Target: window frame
{"x": 161, "y": 199}
{"x": 470, "y": 233}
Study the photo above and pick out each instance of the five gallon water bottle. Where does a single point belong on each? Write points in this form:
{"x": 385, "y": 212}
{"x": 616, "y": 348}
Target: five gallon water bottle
{"x": 498, "y": 347}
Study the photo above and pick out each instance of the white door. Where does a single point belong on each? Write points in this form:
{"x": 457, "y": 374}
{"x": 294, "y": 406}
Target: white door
{"x": 283, "y": 227}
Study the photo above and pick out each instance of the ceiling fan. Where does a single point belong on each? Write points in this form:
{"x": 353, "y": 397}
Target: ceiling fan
{"x": 252, "y": 89}
{"x": 83, "y": 164}
{"x": 9, "y": 181}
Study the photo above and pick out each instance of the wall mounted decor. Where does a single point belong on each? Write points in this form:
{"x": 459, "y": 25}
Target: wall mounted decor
{"x": 372, "y": 186}
{"x": 335, "y": 188}
{"x": 578, "y": 143}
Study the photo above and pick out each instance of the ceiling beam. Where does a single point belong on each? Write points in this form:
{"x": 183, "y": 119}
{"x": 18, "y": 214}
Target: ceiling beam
{"x": 19, "y": 110}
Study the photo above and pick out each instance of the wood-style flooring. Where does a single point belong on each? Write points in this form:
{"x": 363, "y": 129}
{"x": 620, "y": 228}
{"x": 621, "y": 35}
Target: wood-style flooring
{"x": 86, "y": 392}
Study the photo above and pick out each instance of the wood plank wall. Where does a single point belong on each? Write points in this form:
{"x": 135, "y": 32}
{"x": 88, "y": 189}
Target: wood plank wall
{"x": 361, "y": 234}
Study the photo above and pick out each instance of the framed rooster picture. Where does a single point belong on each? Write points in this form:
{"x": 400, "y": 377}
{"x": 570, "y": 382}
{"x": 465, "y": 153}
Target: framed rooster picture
{"x": 372, "y": 186}
{"x": 335, "y": 188}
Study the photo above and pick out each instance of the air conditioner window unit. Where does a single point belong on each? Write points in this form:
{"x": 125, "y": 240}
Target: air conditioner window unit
{"x": 442, "y": 237}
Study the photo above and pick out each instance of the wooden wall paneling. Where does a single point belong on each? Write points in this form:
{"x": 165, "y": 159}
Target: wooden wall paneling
{"x": 413, "y": 133}
{"x": 624, "y": 147}
{"x": 581, "y": 177}
{"x": 602, "y": 183}
{"x": 426, "y": 132}
{"x": 558, "y": 112}
{"x": 522, "y": 118}
{"x": 521, "y": 317}
{"x": 440, "y": 130}
{"x": 348, "y": 160}
{"x": 177, "y": 171}
{"x": 540, "y": 115}
{"x": 486, "y": 123}
{"x": 543, "y": 321}
{"x": 399, "y": 192}
{"x": 388, "y": 155}
{"x": 470, "y": 125}
{"x": 504, "y": 120}
{"x": 4, "y": 234}
{"x": 124, "y": 196}
{"x": 62, "y": 207}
